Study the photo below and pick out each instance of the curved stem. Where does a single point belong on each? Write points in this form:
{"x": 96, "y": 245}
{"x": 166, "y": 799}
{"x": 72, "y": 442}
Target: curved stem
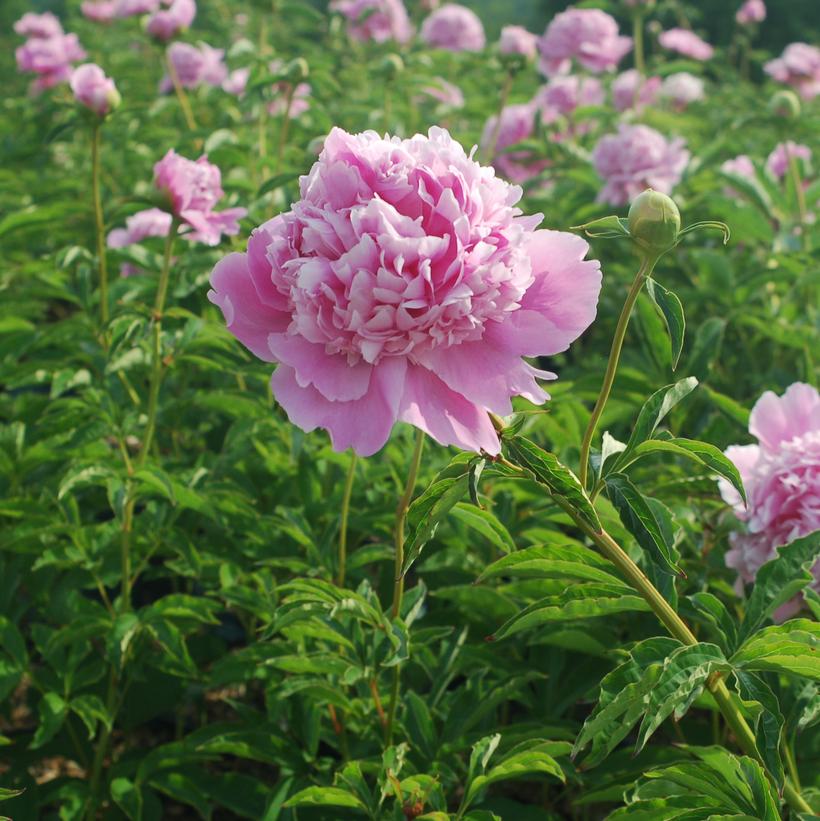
{"x": 351, "y": 475}
{"x": 184, "y": 103}
{"x": 398, "y": 586}
{"x": 612, "y": 365}
{"x": 794, "y": 171}
{"x": 99, "y": 225}
{"x": 502, "y": 103}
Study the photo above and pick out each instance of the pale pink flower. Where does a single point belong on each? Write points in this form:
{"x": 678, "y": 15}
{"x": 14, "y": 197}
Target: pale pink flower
{"x": 752, "y": 11}
{"x": 236, "y": 82}
{"x": 637, "y": 158}
{"x": 406, "y": 286}
{"x": 195, "y": 66}
{"x": 741, "y": 166}
{"x": 781, "y": 476}
{"x": 94, "y": 90}
{"x": 682, "y": 88}
{"x": 631, "y": 89}
{"x": 40, "y": 26}
{"x": 778, "y": 161}
{"x": 564, "y": 93}
{"x": 132, "y": 8}
{"x": 799, "y": 67}
{"x": 377, "y": 20}
{"x": 299, "y": 104}
{"x": 517, "y": 40}
{"x": 455, "y": 28}
{"x": 446, "y": 93}
{"x": 589, "y": 36}
{"x": 151, "y": 222}
{"x": 50, "y": 58}
{"x": 193, "y": 189}
{"x": 517, "y": 124}
{"x": 687, "y": 43}
{"x": 100, "y": 11}
{"x": 167, "y": 23}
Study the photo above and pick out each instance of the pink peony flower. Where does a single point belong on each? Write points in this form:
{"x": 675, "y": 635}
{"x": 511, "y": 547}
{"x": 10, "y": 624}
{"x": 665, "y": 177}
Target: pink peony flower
{"x": 100, "y": 11}
{"x": 517, "y": 124}
{"x": 564, "y": 93}
{"x": 149, "y": 223}
{"x": 406, "y": 286}
{"x": 193, "y": 189}
{"x": 631, "y": 89}
{"x": 94, "y": 90}
{"x": 637, "y": 158}
{"x": 517, "y": 40}
{"x": 50, "y": 58}
{"x": 752, "y": 11}
{"x": 378, "y": 20}
{"x": 299, "y": 104}
{"x": 799, "y": 67}
{"x": 589, "y": 36}
{"x": 741, "y": 166}
{"x": 682, "y": 88}
{"x": 446, "y": 93}
{"x": 167, "y": 23}
{"x": 236, "y": 82}
{"x": 778, "y": 161}
{"x": 132, "y": 8}
{"x": 40, "y": 26}
{"x": 195, "y": 66}
{"x": 781, "y": 476}
{"x": 687, "y": 43}
{"x": 455, "y": 28}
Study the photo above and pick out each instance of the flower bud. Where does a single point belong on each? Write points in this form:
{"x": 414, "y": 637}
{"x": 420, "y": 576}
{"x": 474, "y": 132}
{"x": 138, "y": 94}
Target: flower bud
{"x": 296, "y": 70}
{"x": 391, "y": 66}
{"x": 785, "y": 104}
{"x": 654, "y": 221}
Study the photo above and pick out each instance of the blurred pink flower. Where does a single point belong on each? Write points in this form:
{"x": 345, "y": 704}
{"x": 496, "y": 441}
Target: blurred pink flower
{"x": 236, "y": 82}
{"x": 589, "y": 36}
{"x": 631, "y": 89}
{"x": 93, "y": 89}
{"x": 517, "y": 40}
{"x": 446, "y": 93}
{"x": 682, "y": 88}
{"x": 455, "y": 28}
{"x": 50, "y": 58}
{"x": 687, "y": 43}
{"x": 299, "y": 104}
{"x": 517, "y": 124}
{"x": 193, "y": 189}
{"x": 741, "y": 166}
{"x": 778, "y": 161}
{"x": 637, "y": 158}
{"x": 564, "y": 93}
{"x": 40, "y": 26}
{"x": 151, "y": 222}
{"x": 100, "y": 11}
{"x": 132, "y": 8}
{"x": 752, "y": 11}
{"x": 406, "y": 286}
{"x": 798, "y": 66}
{"x": 195, "y": 66}
{"x": 378, "y": 20}
{"x": 781, "y": 476}
{"x": 167, "y": 23}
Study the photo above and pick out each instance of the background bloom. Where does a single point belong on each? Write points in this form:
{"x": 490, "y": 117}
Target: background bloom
{"x": 517, "y": 40}
{"x": 236, "y": 82}
{"x": 405, "y": 285}
{"x": 455, "y": 28}
{"x": 752, "y": 11}
{"x": 101, "y": 11}
{"x": 589, "y": 36}
{"x": 38, "y": 25}
{"x": 378, "y": 20}
{"x": 687, "y": 43}
{"x": 167, "y": 23}
{"x": 50, "y": 58}
{"x": 132, "y": 8}
{"x": 631, "y": 89}
{"x": 778, "y": 161}
{"x": 517, "y": 124}
{"x": 682, "y": 88}
{"x": 94, "y": 90}
{"x": 781, "y": 476}
{"x": 799, "y": 67}
{"x": 151, "y": 222}
{"x": 446, "y": 93}
{"x": 636, "y": 158}
{"x": 564, "y": 93}
{"x": 195, "y": 66}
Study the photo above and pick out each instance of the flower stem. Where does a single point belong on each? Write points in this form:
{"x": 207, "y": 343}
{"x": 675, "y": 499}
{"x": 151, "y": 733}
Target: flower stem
{"x": 797, "y": 181}
{"x": 351, "y": 475}
{"x": 99, "y": 225}
{"x": 502, "y": 104}
{"x": 184, "y": 103}
{"x": 398, "y": 587}
{"x": 283, "y": 131}
{"x": 637, "y": 40}
{"x": 644, "y": 271}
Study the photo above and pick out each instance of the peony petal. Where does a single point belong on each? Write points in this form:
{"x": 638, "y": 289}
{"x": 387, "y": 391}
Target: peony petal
{"x": 776, "y": 419}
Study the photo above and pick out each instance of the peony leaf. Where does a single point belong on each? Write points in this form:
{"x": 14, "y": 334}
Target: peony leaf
{"x": 792, "y": 648}
{"x": 671, "y": 309}
{"x": 326, "y": 797}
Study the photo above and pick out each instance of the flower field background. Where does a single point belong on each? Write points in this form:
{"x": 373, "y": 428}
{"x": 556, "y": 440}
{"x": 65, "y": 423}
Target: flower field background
{"x": 368, "y": 586}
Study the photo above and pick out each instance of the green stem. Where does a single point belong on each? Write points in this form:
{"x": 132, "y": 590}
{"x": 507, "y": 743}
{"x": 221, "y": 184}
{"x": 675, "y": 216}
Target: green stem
{"x": 283, "y": 131}
{"x": 797, "y": 181}
{"x": 398, "y": 586}
{"x": 101, "y": 749}
{"x": 184, "y": 103}
{"x": 791, "y": 762}
{"x": 647, "y": 264}
{"x": 502, "y": 104}
{"x": 637, "y": 42}
{"x": 100, "y": 230}
{"x": 351, "y": 475}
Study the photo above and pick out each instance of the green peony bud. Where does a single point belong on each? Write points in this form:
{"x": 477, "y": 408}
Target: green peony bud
{"x": 785, "y": 104}
{"x": 391, "y": 66}
{"x": 296, "y": 70}
{"x": 654, "y": 221}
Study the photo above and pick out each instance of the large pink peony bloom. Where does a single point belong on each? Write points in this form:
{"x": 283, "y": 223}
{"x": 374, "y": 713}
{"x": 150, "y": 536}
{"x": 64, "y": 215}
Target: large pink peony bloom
{"x": 752, "y": 11}
{"x": 682, "y": 88}
{"x": 636, "y": 158}
{"x": 50, "y": 58}
{"x": 564, "y": 93}
{"x": 455, "y": 28}
{"x": 405, "y": 286}
{"x": 517, "y": 124}
{"x": 94, "y": 90}
{"x": 193, "y": 189}
{"x": 778, "y": 161}
{"x": 100, "y": 11}
{"x": 378, "y": 20}
{"x": 798, "y": 66}
{"x": 589, "y": 36}
{"x": 687, "y": 43}
{"x": 38, "y": 25}
{"x": 167, "y": 23}
{"x": 517, "y": 40}
{"x": 631, "y": 89}
{"x": 781, "y": 475}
